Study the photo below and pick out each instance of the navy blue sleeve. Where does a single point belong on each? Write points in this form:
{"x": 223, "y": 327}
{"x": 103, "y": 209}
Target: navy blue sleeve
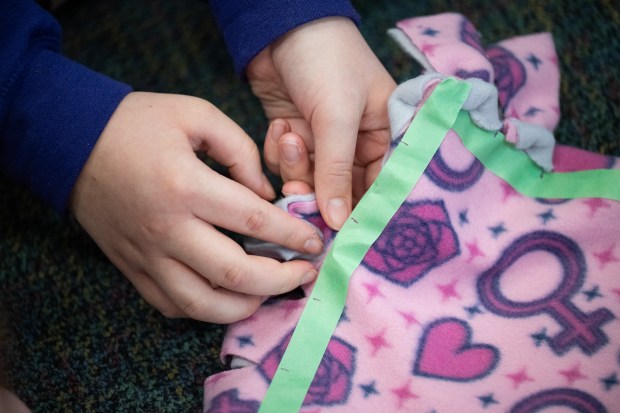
{"x": 52, "y": 109}
{"x": 248, "y": 26}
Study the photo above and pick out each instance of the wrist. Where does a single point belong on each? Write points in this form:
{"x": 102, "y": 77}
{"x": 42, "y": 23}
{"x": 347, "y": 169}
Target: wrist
{"x": 315, "y": 34}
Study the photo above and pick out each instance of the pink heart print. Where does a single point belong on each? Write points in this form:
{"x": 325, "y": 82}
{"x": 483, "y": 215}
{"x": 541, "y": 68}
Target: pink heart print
{"x": 446, "y": 352}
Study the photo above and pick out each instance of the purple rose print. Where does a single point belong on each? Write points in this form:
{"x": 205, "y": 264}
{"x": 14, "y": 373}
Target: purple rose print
{"x": 510, "y": 75}
{"x": 229, "y": 402}
{"x": 417, "y": 239}
{"x": 332, "y": 382}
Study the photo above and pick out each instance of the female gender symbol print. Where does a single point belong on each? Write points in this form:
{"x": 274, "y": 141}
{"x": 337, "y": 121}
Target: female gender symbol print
{"x": 576, "y": 400}
{"x": 578, "y": 328}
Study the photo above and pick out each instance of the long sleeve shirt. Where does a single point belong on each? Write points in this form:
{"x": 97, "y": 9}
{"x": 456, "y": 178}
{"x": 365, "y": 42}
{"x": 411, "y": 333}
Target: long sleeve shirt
{"x": 53, "y": 109}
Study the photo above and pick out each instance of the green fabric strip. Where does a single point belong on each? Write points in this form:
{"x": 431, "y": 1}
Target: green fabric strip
{"x": 367, "y": 221}
{"x": 516, "y": 168}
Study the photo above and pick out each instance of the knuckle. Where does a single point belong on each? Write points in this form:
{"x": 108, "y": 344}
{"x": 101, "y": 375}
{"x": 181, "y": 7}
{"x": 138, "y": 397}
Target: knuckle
{"x": 234, "y": 277}
{"x": 290, "y": 239}
{"x": 249, "y": 148}
{"x": 339, "y": 170}
{"x": 156, "y": 227}
{"x": 177, "y": 183}
{"x": 256, "y": 221}
{"x": 247, "y": 152}
{"x": 341, "y": 115}
{"x": 295, "y": 233}
{"x": 197, "y": 310}
{"x": 205, "y": 107}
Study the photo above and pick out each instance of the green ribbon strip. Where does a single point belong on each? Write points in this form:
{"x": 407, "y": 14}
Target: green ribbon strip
{"x": 516, "y": 168}
{"x": 440, "y": 113}
{"x": 367, "y": 221}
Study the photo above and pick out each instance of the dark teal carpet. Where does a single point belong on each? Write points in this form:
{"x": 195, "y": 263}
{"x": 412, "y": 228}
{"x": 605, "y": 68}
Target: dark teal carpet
{"x": 79, "y": 338}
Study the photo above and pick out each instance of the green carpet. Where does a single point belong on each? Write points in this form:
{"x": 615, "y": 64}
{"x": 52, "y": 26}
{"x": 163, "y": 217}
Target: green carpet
{"x": 78, "y": 337}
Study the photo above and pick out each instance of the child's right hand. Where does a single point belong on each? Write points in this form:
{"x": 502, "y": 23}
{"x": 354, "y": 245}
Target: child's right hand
{"x": 324, "y": 79}
{"x": 152, "y": 206}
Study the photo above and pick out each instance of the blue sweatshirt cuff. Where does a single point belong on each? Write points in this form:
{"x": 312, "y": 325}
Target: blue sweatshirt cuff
{"x": 248, "y": 26}
{"x": 58, "y": 110}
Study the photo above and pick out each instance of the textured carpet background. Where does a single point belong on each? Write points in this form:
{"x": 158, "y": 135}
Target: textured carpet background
{"x": 78, "y": 337}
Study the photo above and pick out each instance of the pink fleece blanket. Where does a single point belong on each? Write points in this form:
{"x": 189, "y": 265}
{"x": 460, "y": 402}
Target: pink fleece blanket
{"x": 475, "y": 298}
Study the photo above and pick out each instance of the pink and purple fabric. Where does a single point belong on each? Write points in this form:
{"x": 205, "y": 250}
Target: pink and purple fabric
{"x": 475, "y": 298}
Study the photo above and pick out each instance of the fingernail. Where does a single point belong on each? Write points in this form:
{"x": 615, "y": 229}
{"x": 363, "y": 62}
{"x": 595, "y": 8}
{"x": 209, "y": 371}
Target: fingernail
{"x": 313, "y": 246}
{"x": 337, "y": 212}
{"x": 277, "y": 130}
{"x": 291, "y": 152}
{"x": 308, "y": 277}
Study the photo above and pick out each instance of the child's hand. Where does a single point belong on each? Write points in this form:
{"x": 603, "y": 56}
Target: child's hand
{"x": 326, "y": 82}
{"x": 292, "y": 159}
{"x": 152, "y": 205}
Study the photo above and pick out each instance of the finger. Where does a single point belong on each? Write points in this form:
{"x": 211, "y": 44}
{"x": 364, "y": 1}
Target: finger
{"x": 277, "y": 128}
{"x": 228, "y": 266}
{"x": 197, "y": 299}
{"x": 302, "y": 128}
{"x": 154, "y": 295}
{"x": 148, "y": 289}
{"x": 223, "y": 140}
{"x": 295, "y": 162}
{"x": 227, "y": 204}
{"x": 296, "y": 188}
{"x": 335, "y": 151}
